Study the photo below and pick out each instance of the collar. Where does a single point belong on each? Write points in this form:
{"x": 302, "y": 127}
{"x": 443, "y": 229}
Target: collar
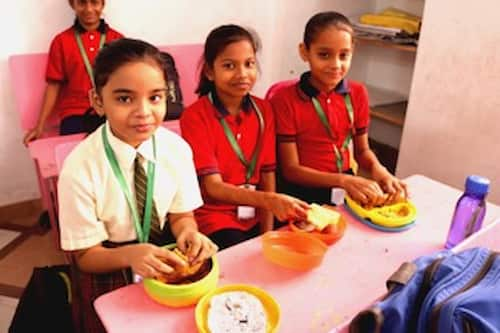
{"x": 80, "y": 29}
{"x": 310, "y": 91}
{"x": 246, "y": 104}
{"x": 125, "y": 153}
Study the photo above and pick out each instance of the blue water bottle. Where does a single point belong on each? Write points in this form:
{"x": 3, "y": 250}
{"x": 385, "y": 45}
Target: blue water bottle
{"x": 469, "y": 211}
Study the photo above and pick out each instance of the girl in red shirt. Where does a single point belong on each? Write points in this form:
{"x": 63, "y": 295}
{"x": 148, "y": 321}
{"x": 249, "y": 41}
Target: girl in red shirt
{"x": 232, "y": 136}
{"x": 317, "y": 118}
{"x": 69, "y": 68}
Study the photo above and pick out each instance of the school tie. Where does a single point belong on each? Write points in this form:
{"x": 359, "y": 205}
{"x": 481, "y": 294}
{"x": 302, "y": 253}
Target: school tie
{"x": 140, "y": 181}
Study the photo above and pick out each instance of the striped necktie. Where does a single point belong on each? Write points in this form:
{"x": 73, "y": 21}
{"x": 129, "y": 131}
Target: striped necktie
{"x": 140, "y": 183}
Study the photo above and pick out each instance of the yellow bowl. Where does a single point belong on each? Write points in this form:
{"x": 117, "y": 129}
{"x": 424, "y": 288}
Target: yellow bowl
{"x": 391, "y": 216}
{"x": 179, "y": 295}
{"x": 268, "y": 302}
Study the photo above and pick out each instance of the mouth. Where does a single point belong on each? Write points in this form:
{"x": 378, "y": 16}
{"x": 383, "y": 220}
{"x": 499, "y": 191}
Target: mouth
{"x": 242, "y": 85}
{"x": 144, "y": 128}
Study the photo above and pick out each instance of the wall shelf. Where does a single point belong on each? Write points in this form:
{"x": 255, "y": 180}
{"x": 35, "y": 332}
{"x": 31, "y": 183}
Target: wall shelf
{"x": 386, "y": 44}
{"x": 392, "y": 113}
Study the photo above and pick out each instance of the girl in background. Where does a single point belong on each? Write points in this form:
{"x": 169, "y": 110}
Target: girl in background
{"x": 317, "y": 118}
{"x": 232, "y": 137}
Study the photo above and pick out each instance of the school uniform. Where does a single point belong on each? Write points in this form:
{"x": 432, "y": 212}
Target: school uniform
{"x": 201, "y": 127}
{"x": 93, "y": 209}
{"x": 297, "y": 121}
{"x": 66, "y": 66}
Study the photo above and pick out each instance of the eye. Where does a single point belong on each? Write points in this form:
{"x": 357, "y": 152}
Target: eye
{"x": 124, "y": 99}
{"x": 156, "y": 98}
{"x": 344, "y": 55}
{"x": 250, "y": 63}
{"x": 228, "y": 65}
{"x": 323, "y": 55}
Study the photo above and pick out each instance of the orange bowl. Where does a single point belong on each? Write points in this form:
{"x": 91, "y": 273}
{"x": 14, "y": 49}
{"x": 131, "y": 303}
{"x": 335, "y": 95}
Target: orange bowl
{"x": 335, "y": 232}
{"x": 299, "y": 251}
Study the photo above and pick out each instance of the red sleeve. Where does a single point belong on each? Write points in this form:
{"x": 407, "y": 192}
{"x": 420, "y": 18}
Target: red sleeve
{"x": 269, "y": 142}
{"x": 286, "y": 129}
{"x": 361, "y": 109}
{"x": 195, "y": 130}
{"x": 55, "y": 65}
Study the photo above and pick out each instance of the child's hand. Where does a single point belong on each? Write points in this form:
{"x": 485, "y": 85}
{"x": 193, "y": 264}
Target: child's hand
{"x": 287, "y": 208}
{"x": 196, "y": 246}
{"x": 32, "y": 134}
{"x": 362, "y": 190}
{"x": 149, "y": 261}
{"x": 392, "y": 186}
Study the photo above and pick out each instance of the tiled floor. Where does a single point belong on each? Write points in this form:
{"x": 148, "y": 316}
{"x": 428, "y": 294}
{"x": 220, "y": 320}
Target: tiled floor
{"x": 23, "y": 246}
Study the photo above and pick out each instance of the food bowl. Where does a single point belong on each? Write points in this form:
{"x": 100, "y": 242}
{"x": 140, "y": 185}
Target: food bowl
{"x": 295, "y": 250}
{"x": 179, "y": 295}
{"x": 334, "y": 233}
{"x": 397, "y": 215}
{"x": 270, "y": 305}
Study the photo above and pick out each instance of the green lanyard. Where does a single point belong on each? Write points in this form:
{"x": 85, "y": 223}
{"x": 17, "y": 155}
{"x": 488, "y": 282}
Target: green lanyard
{"x": 84, "y": 54}
{"x": 321, "y": 114}
{"x": 250, "y": 167}
{"x": 142, "y": 233}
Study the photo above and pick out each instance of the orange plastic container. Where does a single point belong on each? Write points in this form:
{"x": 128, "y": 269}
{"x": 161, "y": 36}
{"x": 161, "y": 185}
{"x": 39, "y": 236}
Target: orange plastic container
{"x": 334, "y": 233}
{"x": 295, "y": 250}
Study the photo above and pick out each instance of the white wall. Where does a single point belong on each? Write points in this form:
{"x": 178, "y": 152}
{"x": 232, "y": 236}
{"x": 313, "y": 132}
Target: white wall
{"x": 30, "y": 25}
{"x": 451, "y": 128}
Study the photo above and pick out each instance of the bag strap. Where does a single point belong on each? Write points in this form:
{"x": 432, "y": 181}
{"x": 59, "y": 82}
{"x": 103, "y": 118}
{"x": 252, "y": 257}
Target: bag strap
{"x": 401, "y": 276}
{"x": 369, "y": 320}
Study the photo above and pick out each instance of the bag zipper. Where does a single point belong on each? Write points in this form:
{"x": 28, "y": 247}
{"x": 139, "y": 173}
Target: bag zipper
{"x": 429, "y": 273}
{"x": 434, "y": 317}
{"x": 467, "y": 326}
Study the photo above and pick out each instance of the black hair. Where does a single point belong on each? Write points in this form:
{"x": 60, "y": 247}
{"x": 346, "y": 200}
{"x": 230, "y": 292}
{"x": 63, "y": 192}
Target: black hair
{"x": 217, "y": 40}
{"x": 321, "y": 21}
{"x": 121, "y": 51}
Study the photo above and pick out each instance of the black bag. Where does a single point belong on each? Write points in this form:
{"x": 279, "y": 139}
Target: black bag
{"x": 175, "y": 104}
{"x": 45, "y": 303}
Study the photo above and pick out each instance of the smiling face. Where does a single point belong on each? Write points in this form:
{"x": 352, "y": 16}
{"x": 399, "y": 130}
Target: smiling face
{"x": 88, "y": 12}
{"x": 133, "y": 101}
{"x": 234, "y": 70}
{"x": 329, "y": 56}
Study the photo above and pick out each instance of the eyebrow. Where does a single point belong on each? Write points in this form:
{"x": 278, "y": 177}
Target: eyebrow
{"x": 129, "y": 91}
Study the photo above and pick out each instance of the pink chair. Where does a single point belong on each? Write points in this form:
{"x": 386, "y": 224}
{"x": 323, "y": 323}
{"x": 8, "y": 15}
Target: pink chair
{"x": 27, "y": 74}
{"x": 273, "y": 89}
{"x": 187, "y": 57}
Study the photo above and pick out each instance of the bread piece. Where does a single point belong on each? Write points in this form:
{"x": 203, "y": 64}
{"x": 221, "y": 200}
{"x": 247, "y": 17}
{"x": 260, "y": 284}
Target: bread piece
{"x": 184, "y": 274}
{"x": 321, "y": 217}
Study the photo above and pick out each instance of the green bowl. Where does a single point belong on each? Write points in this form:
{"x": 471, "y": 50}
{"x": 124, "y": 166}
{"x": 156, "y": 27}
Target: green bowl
{"x": 179, "y": 295}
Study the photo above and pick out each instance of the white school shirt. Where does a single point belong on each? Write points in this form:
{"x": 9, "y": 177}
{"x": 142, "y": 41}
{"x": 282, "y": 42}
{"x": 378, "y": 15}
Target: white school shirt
{"x": 92, "y": 205}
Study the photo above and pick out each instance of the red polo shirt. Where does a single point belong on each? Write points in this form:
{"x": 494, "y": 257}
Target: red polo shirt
{"x": 65, "y": 65}
{"x": 212, "y": 153}
{"x": 297, "y": 120}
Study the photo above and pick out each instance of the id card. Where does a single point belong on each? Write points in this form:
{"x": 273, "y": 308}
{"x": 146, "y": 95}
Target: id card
{"x": 246, "y": 212}
{"x": 137, "y": 278}
{"x": 337, "y": 196}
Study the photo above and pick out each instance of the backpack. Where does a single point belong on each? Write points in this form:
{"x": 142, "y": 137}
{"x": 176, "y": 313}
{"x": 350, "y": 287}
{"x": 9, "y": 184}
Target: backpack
{"x": 45, "y": 303}
{"x": 443, "y": 292}
{"x": 175, "y": 103}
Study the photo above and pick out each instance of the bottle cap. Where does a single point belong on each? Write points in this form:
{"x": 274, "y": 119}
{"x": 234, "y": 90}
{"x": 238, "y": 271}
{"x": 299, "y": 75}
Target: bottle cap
{"x": 477, "y": 185}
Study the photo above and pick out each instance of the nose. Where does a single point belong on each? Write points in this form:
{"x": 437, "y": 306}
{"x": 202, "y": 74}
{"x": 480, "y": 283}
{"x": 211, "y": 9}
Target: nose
{"x": 336, "y": 63}
{"x": 144, "y": 108}
{"x": 242, "y": 71}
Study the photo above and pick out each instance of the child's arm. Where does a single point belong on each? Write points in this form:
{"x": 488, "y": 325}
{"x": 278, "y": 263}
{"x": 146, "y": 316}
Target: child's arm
{"x": 267, "y": 184}
{"x": 49, "y": 101}
{"x": 360, "y": 189}
{"x": 282, "y": 206}
{"x": 195, "y": 245}
{"x": 369, "y": 162}
{"x": 145, "y": 259}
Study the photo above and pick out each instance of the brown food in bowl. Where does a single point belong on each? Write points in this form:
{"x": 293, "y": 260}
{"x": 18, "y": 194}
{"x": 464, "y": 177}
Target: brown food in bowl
{"x": 186, "y": 274}
{"x": 384, "y": 200}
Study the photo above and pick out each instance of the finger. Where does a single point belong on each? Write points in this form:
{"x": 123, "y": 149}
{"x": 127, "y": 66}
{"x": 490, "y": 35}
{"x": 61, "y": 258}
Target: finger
{"x": 182, "y": 243}
{"x": 170, "y": 257}
{"x": 160, "y": 267}
{"x": 194, "y": 249}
